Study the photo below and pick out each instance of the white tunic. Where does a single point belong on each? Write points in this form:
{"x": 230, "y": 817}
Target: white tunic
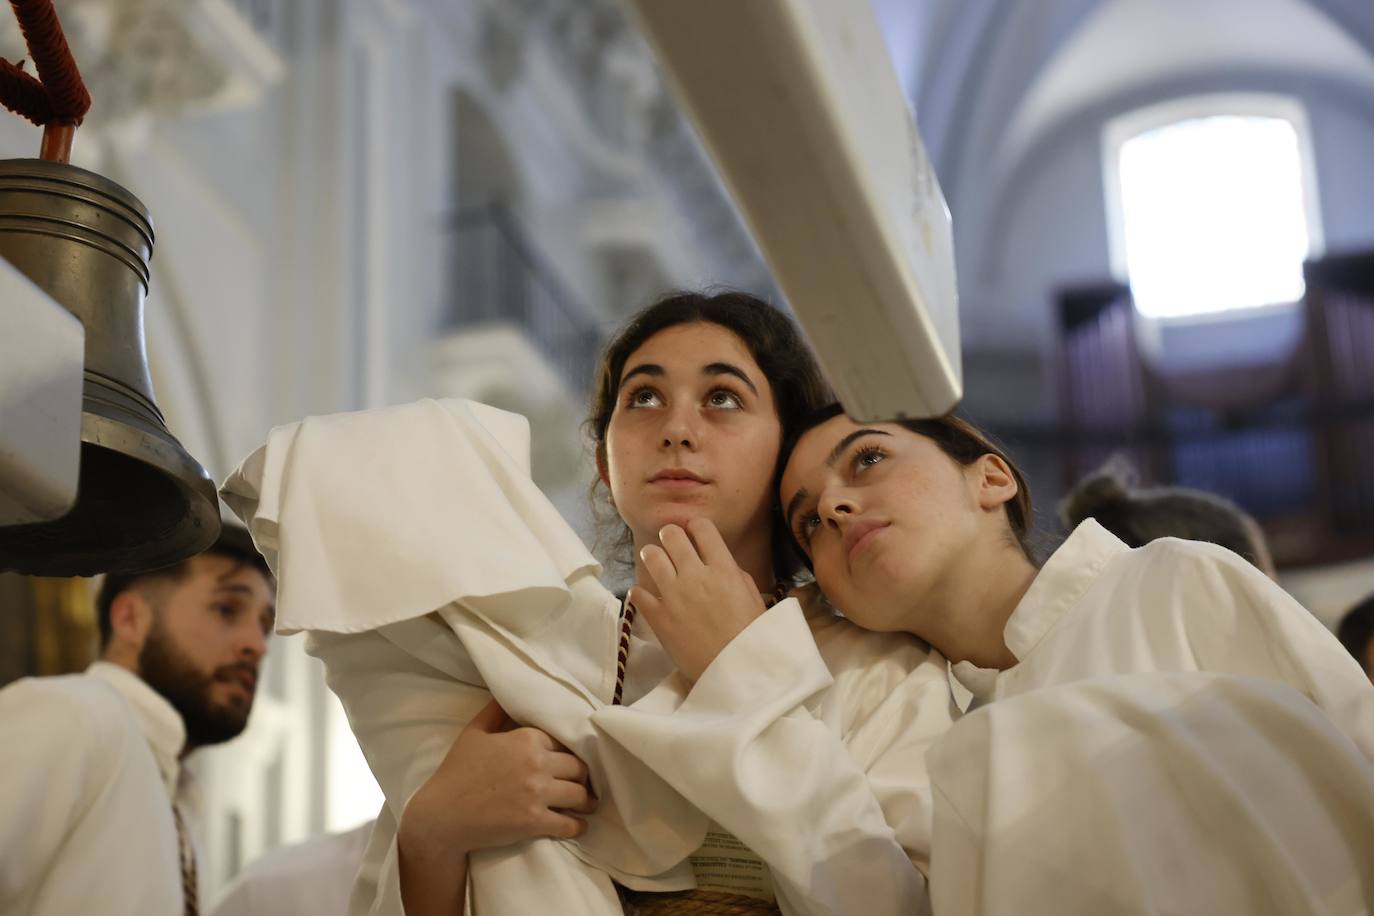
{"x": 89, "y": 764}
{"x": 427, "y": 570}
{"x": 1178, "y": 735}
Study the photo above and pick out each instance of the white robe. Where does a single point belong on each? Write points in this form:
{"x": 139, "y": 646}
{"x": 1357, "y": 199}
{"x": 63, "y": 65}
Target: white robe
{"x": 427, "y": 570}
{"x": 88, "y": 768}
{"x": 1178, "y": 735}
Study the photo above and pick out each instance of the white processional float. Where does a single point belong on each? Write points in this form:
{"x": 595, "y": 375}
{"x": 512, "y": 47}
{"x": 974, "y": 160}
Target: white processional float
{"x": 800, "y": 107}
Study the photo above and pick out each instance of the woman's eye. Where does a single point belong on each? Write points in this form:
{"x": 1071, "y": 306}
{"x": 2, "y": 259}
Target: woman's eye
{"x": 723, "y": 399}
{"x": 645, "y": 397}
{"x": 867, "y": 457}
{"x": 807, "y": 527}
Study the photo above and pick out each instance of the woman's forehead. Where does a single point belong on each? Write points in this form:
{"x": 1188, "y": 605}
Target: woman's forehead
{"x": 818, "y": 446}
{"x": 815, "y": 445}
{"x": 694, "y": 345}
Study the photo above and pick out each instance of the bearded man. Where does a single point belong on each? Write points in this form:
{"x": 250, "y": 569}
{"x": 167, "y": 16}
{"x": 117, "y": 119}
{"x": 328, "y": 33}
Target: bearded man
{"x": 91, "y": 761}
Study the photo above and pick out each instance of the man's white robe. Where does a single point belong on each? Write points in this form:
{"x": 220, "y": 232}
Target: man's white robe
{"x": 88, "y": 771}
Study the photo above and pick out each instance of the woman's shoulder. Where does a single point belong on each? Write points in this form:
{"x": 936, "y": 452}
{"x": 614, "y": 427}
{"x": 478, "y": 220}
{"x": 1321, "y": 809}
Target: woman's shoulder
{"x": 844, "y": 645}
{"x": 883, "y": 681}
{"x": 1201, "y": 584}
{"x": 1175, "y": 562}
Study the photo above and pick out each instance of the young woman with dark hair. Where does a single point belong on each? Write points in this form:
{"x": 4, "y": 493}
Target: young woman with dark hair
{"x": 1158, "y": 729}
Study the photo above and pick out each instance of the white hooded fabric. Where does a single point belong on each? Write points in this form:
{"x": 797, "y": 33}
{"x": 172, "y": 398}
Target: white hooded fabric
{"x": 431, "y": 575}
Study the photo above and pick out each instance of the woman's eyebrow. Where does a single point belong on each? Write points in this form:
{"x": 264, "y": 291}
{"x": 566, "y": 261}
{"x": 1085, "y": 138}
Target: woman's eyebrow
{"x": 848, "y": 440}
{"x": 653, "y": 370}
{"x": 728, "y": 369}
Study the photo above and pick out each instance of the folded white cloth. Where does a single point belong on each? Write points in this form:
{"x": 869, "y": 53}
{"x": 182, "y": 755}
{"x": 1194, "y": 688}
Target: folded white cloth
{"x": 361, "y": 541}
{"x": 334, "y": 476}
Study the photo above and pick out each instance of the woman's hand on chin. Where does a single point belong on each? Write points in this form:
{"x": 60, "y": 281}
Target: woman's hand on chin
{"x": 703, "y": 600}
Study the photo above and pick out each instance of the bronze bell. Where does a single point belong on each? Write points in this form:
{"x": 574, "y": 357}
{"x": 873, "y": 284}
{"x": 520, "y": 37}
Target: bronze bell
{"x": 142, "y": 501}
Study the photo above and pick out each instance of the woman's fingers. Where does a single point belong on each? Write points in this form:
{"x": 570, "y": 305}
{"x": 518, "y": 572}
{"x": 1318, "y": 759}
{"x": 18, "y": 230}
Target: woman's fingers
{"x": 680, "y": 549}
{"x": 570, "y": 796}
{"x": 564, "y": 765}
{"x": 643, "y": 600}
{"x": 561, "y": 826}
{"x": 659, "y": 565}
{"x": 490, "y": 718}
{"x": 710, "y": 546}
{"x": 536, "y": 742}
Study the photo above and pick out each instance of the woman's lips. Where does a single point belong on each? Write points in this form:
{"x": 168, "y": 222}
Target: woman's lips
{"x": 862, "y": 536}
{"x": 677, "y": 480}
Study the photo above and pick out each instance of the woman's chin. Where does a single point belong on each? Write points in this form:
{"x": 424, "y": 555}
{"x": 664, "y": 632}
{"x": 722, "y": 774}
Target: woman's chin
{"x": 679, "y": 515}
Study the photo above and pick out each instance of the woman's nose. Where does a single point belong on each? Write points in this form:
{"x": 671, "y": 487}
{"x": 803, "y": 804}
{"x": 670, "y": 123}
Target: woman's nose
{"x": 834, "y": 505}
{"x": 679, "y": 430}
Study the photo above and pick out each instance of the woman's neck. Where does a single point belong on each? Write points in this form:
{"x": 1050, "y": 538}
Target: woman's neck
{"x": 967, "y": 615}
{"x": 754, "y": 558}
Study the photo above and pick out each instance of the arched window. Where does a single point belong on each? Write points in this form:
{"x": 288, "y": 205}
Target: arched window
{"x": 1211, "y": 203}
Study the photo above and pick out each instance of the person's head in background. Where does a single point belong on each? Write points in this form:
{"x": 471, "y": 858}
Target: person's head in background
{"x": 692, "y": 400}
{"x": 1356, "y": 633}
{"x": 195, "y": 633}
{"x": 1138, "y": 515}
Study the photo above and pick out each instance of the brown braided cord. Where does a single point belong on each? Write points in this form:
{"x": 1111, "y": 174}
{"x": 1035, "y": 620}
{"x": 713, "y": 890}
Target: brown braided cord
{"x": 190, "y": 894}
{"x": 53, "y": 60}
{"x": 24, "y": 95}
{"x": 697, "y": 902}
{"x": 622, "y": 655}
{"x": 57, "y": 96}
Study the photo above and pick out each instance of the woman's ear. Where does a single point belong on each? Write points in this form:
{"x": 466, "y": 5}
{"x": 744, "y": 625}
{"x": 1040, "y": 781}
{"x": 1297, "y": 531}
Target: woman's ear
{"x": 601, "y": 470}
{"x": 996, "y": 483}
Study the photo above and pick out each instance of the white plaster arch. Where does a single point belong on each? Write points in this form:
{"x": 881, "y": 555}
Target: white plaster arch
{"x": 1126, "y": 44}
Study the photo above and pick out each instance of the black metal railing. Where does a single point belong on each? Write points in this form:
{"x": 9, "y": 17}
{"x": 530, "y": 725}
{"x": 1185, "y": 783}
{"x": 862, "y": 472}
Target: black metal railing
{"x": 496, "y": 274}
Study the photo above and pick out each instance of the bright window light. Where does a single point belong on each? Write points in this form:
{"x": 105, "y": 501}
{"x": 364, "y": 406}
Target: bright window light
{"x": 1214, "y": 215}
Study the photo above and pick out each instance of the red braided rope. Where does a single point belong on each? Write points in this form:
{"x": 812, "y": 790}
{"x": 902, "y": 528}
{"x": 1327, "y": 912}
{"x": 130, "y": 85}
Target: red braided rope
{"x": 23, "y": 94}
{"x": 65, "y": 98}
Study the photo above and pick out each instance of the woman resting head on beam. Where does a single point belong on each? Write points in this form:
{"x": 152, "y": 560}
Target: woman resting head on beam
{"x": 1154, "y": 729}
{"x": 800, "y": 743}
